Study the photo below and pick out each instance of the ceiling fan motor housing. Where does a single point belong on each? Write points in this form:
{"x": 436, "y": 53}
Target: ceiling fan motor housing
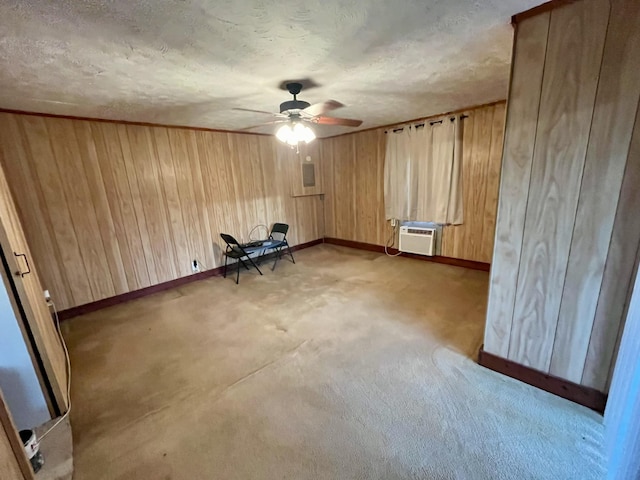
{"x": 293, "y": 105}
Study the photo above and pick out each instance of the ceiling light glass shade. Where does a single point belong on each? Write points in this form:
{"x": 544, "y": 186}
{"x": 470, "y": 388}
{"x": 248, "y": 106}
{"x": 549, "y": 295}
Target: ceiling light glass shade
{"x": 292, "y": 135}
{"x": 285, "y": 134}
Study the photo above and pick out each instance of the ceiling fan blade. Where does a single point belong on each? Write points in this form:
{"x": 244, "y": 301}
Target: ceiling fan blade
{"x": 255, "y": 111}
{"x": 262, "y": 125}
{"x": 322, "y": 108}
{"x": 347, "y": 122}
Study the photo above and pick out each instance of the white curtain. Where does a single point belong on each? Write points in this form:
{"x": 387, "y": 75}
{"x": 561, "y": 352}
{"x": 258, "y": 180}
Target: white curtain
{"x": 438, "y": 147}
{"x": 400, "y": 176}
{"x": 423, "y": 173}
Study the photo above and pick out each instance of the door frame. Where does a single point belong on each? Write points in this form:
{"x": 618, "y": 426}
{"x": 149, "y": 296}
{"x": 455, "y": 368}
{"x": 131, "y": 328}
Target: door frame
{"x": 54, "y": 399}
{"x": 8, "y": 429}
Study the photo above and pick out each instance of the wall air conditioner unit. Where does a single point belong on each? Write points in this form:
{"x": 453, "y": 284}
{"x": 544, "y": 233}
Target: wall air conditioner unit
{"x": 418, "y": 240}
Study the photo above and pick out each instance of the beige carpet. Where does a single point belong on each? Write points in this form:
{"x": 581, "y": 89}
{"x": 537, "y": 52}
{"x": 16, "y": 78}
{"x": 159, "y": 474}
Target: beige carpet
{"x": 57, "y": 450}
{"x": 347, "y": 365}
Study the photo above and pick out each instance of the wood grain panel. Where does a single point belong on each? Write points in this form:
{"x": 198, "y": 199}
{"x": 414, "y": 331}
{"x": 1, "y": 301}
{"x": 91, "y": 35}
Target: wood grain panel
{"x": 186, "y": 201}
{"x": 139, "y": 221}
{"x": 257, "y": 177}
{"x": 520, "y": 131}
{"x": 566, "y": 106}
{"x": 50, "y": 183}
{"x": 80, "y": 206}
{"x": 12, "y": 135}
{"x": 328, "y": 160}
{"x": 493, "y": 182}
{"x": 344, "y": 174}
{"x": 98, "y": 194}
{"x": 618, "y": 274}
{"x": 29, "y": 290}
{"x": 113, "y": 170}
{"x": 218, "y": 180}
{"x": 579, "y": 205}
{"x": 242, "y": 178}
{"x": 14, "y": 464}
{"x": 9, "y": 466}
{"x": 112, "y": 208}
{"x": 275, "y": 178}
{"x": 174, "y": 220}
{"x": 611, "y": 130}
{"x": 370, "y": 147}
{"x": 145, "y": 163}
{"x": 353, "y": 169}
{"x": 479, "y": 156}
{"x": 466, "y": 239}
{"x": 202, "y": 208}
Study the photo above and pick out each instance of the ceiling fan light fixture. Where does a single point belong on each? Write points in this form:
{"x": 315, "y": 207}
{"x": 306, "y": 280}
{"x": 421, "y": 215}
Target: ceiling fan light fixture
{"x": 296, "y": 134}
{"x": 297, "y": 113}
{"x": 304, "y": 133}
{"x": 284, "y": 133}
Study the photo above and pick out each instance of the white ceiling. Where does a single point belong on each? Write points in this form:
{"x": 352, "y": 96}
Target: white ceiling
{"x": 189, "y": 62}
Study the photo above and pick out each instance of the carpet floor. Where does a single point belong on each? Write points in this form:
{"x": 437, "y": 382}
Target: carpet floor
{"x": 346, "y": 365}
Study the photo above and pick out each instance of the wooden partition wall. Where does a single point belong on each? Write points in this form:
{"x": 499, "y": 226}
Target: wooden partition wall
{"x": 568, "y": 219}
{"x": 14, "y": 464}
{"x": 25, "y": 290}
{"x": 112, "y": 208}
{"x": 354, "y": 186}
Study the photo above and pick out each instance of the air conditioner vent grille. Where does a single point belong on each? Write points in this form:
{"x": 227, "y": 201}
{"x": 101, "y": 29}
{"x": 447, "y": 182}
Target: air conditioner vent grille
{"x": 420, "y": 231}
{"x": 421, "y": 241}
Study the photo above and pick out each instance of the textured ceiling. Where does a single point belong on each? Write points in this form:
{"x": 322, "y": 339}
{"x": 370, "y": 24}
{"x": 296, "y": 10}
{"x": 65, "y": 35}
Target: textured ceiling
{"x": 190, "y": 62}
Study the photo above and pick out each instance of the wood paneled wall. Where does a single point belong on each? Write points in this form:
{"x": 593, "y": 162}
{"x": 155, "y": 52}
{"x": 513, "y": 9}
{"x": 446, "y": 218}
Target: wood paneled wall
{"x": 353, "y": 169}
{"x": 568, "y": 224}
{"x": 28, "y": 302}
{"x": 481, "y": 160}
{"x": 111, "y": 208}
{"x": 354, "y": 186}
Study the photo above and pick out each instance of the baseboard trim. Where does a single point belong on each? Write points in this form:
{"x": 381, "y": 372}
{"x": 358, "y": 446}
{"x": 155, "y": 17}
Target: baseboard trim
{"x": 587, "y": 396}
{"x": 456, "y": 262}
{"x": 143, "y": 292}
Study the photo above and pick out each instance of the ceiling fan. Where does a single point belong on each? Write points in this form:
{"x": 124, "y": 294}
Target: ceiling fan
{"x": 295, "y": 114}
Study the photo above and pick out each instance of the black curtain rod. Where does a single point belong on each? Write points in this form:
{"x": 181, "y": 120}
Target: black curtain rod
{"x": 417, "y": 125}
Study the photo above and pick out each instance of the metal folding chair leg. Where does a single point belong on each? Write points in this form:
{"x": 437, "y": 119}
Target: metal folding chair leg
{"x": 290, "y": 253}
{"x": 254, "y": 264}
{"x": 224, "y": 275}
{"x": 277, "y": 257}
{"x": 238, "y": 271}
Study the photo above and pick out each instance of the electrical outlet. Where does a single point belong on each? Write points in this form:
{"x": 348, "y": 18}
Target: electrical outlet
{"x": 195, "y": 266}
{"x": 394, "y": 222}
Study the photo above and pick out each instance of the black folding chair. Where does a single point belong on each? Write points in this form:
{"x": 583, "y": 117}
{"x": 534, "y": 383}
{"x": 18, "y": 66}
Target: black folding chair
{"x": 236, "y": 250}
{"x": 278, "y": 242}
